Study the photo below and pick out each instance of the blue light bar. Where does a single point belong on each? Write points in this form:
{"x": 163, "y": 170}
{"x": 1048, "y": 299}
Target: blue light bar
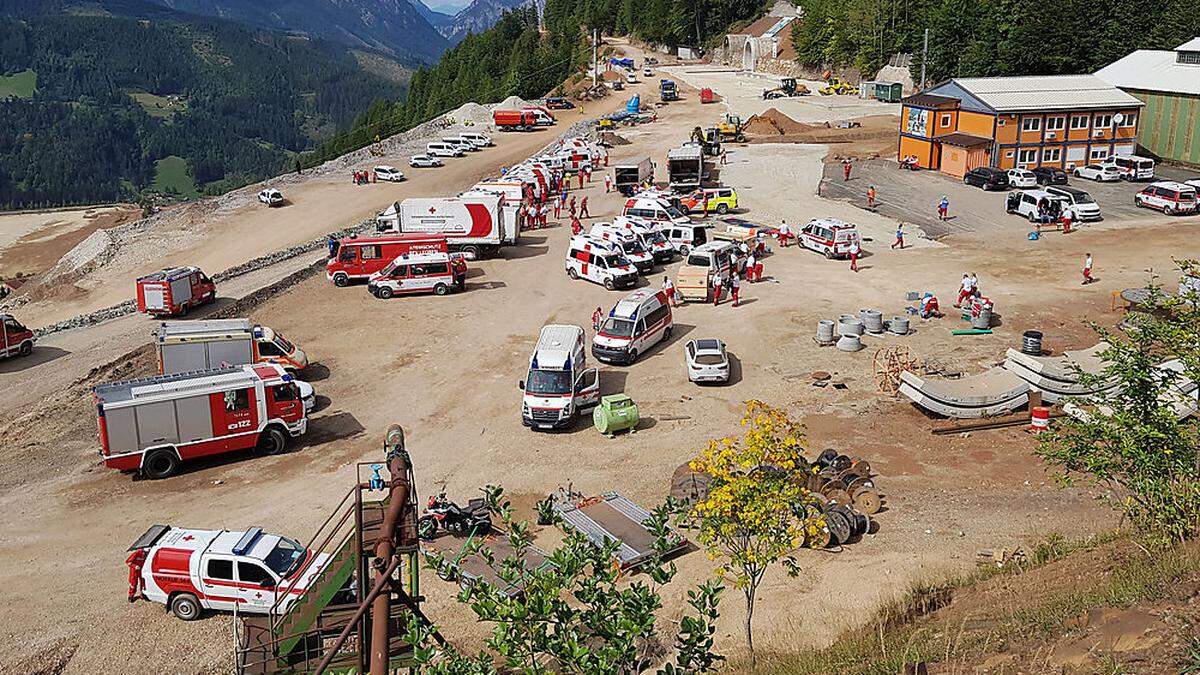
{"x": 247, "y": 541}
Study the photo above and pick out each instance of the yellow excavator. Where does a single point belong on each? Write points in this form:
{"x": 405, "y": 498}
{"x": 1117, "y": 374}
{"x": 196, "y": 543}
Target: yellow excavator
{"x": 732, "y": 128}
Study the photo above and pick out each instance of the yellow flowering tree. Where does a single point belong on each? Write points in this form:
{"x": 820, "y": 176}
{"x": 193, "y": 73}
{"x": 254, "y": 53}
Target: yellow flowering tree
{"x": 752, "y": 517}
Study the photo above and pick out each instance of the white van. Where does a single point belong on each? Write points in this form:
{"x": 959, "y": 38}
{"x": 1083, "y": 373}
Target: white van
{"x": 443, "y": 149}
{"x": 558, "y": 385}
{"x": 1080, "y": 202}
{"x": 480, "y": 140}
{"x": 599, "y": 262}
{"x": 684, "y": 238}
{"x": 654, "y": 209}
{"x": 542, "y": 117}
{"x": 830, "y": 237}
{"x": 1132, "y": 167}
{"x": 721, "y": 258}
{"x": 637, "y": 323}
{"x": 653, "y": 237}
{"x": 462, "y": 143}
{"x": 1034, "y": 204}
{"x": 629, "y": 243}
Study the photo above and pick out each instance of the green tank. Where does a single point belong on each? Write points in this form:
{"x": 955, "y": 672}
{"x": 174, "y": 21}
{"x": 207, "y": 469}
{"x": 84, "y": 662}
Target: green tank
{"x": 616, "y": 412}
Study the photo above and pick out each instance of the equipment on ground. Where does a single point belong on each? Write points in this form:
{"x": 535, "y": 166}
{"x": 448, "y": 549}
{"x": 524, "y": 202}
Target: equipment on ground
{"x": 887, "y": 365}
{"x": 612, "y": 517}
{"x": 732, "y": 128}
{"x": 443, "y": 514}
{"x": 616, "y": 412}
{"x": 786, "y": 89}
{"x": 837, "y": 86}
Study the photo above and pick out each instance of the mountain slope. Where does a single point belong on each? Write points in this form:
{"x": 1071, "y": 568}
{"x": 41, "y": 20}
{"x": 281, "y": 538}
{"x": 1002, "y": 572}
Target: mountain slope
{"x": 435, "y": 18}
{"x": 478, "y": 16}
{"x": 392, "y": 26}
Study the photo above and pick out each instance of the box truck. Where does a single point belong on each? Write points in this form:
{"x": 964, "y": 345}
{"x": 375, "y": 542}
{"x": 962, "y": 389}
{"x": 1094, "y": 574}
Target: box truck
{"x": 685, "y": 167}
{"x": 629, "y": 177}
{"x": 474, "y": 225}
{"x": 185, "y": 346}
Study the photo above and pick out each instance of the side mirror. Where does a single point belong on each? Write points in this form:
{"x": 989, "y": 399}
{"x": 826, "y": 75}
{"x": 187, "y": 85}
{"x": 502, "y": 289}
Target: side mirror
{"x": 521, "y": 385}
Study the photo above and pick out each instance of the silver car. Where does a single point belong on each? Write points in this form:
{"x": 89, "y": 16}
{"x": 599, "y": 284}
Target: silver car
{"x": 424, "y": 161}
{"x": 707, "y": 361}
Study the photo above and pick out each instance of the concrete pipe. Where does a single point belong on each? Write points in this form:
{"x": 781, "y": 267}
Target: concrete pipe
{"x": 872, "y": 321}
{"x": 898, "y": 325}
{"x": 824, "y": 331}
{"x": 850, "y": 326}
{"x": 849, "y": 343}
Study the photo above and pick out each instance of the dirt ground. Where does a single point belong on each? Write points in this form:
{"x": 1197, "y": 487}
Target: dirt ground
{"x": 447, "y": 369}
{"x": 32, "y": 242}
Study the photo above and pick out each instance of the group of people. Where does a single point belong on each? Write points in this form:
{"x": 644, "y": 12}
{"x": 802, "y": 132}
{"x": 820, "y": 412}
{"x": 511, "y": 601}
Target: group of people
{"x": 361, "y": 177}
{"x": 968, "y": 289}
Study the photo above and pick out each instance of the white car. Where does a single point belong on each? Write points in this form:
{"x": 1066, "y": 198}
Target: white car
{"x": 1021, "y": 178}
{"x": 308, "y": 395}
{"x": 271, "y": 197}
{"x": 707, "y": 360}
{"x": 646, "y": 72}
{"x": 388, "y": 173}
{"x": 426, "y": 161}
{"x": 1105, "y": 173}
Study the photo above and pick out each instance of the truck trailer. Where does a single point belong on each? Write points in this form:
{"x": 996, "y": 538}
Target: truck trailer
{"x": 685, "y": 167}
{"x": 629, "y": 177}
{"x": 185, "y": 346}
{"x": 474, "y": 225}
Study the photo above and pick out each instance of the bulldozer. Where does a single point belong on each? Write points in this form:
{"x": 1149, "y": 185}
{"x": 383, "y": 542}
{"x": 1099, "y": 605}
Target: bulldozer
{"x": 837, "y": 86}
{"x": 787, "y": 89}
{"x": 732, "y": 129}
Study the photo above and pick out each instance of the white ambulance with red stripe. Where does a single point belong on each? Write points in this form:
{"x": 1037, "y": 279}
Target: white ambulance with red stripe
{"x": 829, "y": 236}
{"x": 629, "y": 243}
{"x": 655, "y": 210}
{"x": 558, "y": 384}
{"x": 190, "y": 571}
{"x": 600, "y": 262}
{"x": 653, "y": 237}
{"x": 437, "y": 273}
{"x": 637, "y": 323}
{"x": 357, "y": 258}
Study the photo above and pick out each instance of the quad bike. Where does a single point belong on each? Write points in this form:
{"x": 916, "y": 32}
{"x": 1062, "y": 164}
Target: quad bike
{"x": 443, "y": 514}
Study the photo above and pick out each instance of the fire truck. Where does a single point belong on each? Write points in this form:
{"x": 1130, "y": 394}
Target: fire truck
{"x": 201, "y": 344}
{"x": 357, "y": 258}
{"x": 174, "y": 291}
{"x": 17, "y": 340}
{"x": 154, "y": 424}
{"x": 190, "y": 571}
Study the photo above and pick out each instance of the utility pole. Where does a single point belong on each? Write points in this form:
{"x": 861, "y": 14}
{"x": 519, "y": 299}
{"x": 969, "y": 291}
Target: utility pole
{"x": 595, "y": 55}
{"x": 924, "y": 58}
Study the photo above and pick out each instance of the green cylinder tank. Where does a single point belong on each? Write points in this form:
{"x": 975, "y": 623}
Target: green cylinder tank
{"x": 616, "y": 412}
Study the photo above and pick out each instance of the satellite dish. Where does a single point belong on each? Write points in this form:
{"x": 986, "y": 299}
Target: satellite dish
{"x": 1118, "y": 118}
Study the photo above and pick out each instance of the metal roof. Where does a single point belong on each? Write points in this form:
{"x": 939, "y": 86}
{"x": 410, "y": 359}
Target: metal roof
{"x": 929, "y": 100}
{"x": 1192, "y": 45}
{"x": 555, "y": 346}
{"x": 1046, "y": 92}
{"x": 963, "y": 140}
{"x": 1155, "y": 70}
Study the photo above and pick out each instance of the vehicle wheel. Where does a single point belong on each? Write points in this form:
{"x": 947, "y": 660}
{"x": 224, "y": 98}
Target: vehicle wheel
{"x": 633, "y": 354}
{"x": 160, "y": 463}
{"x": 608, "y": 283}
{"x": 1032, "y": 218}
{"x": 26, "y": 349}
{"x": 1137, "y": 201}
{"x": 472, "y": 251}
{"x": 722, "y": 209}
{"x": 441, "y": 289}
{"x": 667, "y": 333}
{"x": 341, "y": 280}
{"x": 684, "y": 250}
{"x": 427, "y": 527}
{"x": 273, "y": 442}
{"x": 185, "y": 607}
{"x": 383, "y": 293}
{"x": 829, "y": 254}
{"x": 1075, "y": 173}
{"x": 1169, "y": 210}
{"x": 573, "y": 274}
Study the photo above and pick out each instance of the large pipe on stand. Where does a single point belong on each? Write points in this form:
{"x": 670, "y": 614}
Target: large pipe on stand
{"x": 400, "y": 468}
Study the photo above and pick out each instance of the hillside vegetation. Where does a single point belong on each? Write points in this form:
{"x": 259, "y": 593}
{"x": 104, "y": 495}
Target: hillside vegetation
{"x": 116, "y": 94}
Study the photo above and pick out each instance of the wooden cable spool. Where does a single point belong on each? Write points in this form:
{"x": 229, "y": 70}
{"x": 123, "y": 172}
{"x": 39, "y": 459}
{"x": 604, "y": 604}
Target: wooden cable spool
{"x": 887, "y": 365}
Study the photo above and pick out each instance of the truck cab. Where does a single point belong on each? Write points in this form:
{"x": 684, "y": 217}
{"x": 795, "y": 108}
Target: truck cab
{"x": 558, "y": 384}
{"x": 17, "y": 340}
{"x": 191, "y": 570}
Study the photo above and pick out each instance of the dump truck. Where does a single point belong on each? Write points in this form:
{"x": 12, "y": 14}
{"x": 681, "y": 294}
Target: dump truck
{"x": 685, "y": 167}
{"x": 627, "y": 177}
{"x": 786, "y": 89}
{"x": 514, "y": 120}
{"x": 185, "y": 346}
{"x": 668, "y": 91}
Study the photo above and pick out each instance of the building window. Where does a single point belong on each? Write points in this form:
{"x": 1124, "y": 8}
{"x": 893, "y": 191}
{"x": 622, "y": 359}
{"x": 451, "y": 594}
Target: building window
{"x": 1031, "y": 124}
{"x": 1099, "y": 153}
{"x": 1103, "y": 121}
{"x": 1130, "y": 120}
{"x": 999, "y": 121}
{"x": 1055, "y": 123}
{"x": 1051, "y": 155}
{"x": 946, "y": 119}
{"x": 1079, "y": 121}
{"x": 1008, "y": 154}
{"x": 1027, "y": 156}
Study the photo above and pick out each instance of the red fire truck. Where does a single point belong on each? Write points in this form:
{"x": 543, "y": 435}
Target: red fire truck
{"x": 154, "y": 424}
{"x": 357, "y": 258}
{"x": 16, "y": 339}
{"x": 514, "y": 120}
{"x": 193, "y": 570}
{"x": 174, "y": 291}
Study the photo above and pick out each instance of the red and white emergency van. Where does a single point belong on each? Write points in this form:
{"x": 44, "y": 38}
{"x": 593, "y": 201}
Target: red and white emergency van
{"x": 437, "y": 273}
{"x": 17, "y": 340}
{"x": 474, "y": 225}
{"x": 638, "y": 322}
{"x": 1170, "y": 197}
{"x": 542, "y": 116}
{"x": 599, "y": 262}
{"x": 653, "y": 237}
{"x": 655, "y": 210}
{"x": 629, "y": 243}
{"x": 154, "y": 424}
{"x": 1132, "y": 167}
{"x": 830, "y": 237}
{"x": 558, "y": 385}
{"x": 190, "y": 570}
{"x": 357, "y": 258}
{"x": 174, "y": 291}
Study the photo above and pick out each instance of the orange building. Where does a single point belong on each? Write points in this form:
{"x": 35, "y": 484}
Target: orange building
{"x": 1006, "y": 122}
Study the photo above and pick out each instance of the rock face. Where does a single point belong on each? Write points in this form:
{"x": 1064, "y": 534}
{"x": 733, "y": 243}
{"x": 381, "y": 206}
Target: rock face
{"x": 477, "y": 17}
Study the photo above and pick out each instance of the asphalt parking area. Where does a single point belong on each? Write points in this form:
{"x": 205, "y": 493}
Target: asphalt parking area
{"x": 912, "y": 197}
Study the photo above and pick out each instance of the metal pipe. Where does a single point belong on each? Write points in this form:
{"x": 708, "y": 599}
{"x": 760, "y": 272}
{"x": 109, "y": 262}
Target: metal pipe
{"x": 376, "y": 590}
{"x": 385, "y": 547}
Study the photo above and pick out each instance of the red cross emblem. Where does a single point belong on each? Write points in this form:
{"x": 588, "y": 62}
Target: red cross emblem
{"x": 258, "y": 595}
{"x": 432, "y": 210}
{"x": 188, "y": 538}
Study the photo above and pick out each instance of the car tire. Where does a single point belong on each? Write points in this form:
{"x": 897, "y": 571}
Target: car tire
{"x": 829, "y": 254}
{"x": 608, "y": 283}
{"x": 272, "y": 442}
{"x": 633, "y": 354}
{"x": 473, "y": 251}
{"x": 1075, "y": 173}
{"x": 684, "y": 250}
{"x": 341, "y": 280}
{"x": 160, "y": 463}
{"x": 383, "y": 293}
{"x": 186, "y": 607}
{"x": 1168, "y": 210}
{"x": 441, "y": 289}
{"x": 26, "y": 349}
{"x": 722, "y": 209}
{"x": 1032, "y": 218}
{"x": 573, "y": 274}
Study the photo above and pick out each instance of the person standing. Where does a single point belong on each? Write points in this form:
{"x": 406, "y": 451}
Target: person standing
{"x": 871, "y": 197}
{"x": 716, "y": 289}
{"x": 579, "y": 175}
{"x": 735, "y": 285}
{"x": 571, "y": 206}
{"x": 576, "y": 226}
{"x": 854, "y": 251}
{"x": 558, "y": 204}
{"x": 846, "y": 169}
{"x": 750, "y": 262}
{"x": 943, "y": 207}
{"x": 597, "y": 317}
{"x": 899, "y": 236}
{"x": 607, "y": 183}
{"x": 724, "y": 161}
{"x": 669, "y": 290}
{"x": 705, "y": 193}
{"x": 583, "y": 209}
{"x": 785, "y": 234}
{"x": 332, "y": 243}
{"x": 758, "y": 266}
{"x": 964, "y": 291}
{"x": 1087, "y": 270}
{"x": 1067, "y": 215}
{"x": 544, "y": 212}
{"x": 974, "y": 278}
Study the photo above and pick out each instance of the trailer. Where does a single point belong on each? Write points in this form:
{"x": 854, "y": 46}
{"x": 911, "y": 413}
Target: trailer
{"x": 16, "y": 339}
{"x": 475, "y": 225}
{"x": 685, "y": 167}
{"x": 457, "y": 565}
{"x": 154, "y": 424}
{"x": 185, "y": 346}
{"x": 628, "y": 177}
{"x": 174, "y": 291}
{"x": 612, "y": 517}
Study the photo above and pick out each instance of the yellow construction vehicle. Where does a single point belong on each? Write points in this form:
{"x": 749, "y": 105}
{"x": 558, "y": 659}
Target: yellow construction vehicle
{"x": 732, "y": 128}
{"x": 837, "y": 86}
{"x": 788, "y": 88}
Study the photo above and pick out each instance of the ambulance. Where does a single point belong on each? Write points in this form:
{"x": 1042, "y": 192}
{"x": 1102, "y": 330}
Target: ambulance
{"x": 638, "y": 322}
{"x": 174, "y": 291}
{"x": 558, "y": 384}
{"x": 437, "y": 273}
{"x": 655, "y": 209}
{"x": 599, "y": 262}
{"x": 830, "y": 237}
{"x": 357, "y": 258}
{"x": 653, "y": 238}
{"x": 629, "y": 243}
{"x": 190, "y": 571}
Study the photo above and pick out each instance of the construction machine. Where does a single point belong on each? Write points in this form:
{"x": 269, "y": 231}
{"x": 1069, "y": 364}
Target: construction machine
{"x": 732, "y": 128}
{"x": 787, "y": 89}
{"x": 837, "y": 86}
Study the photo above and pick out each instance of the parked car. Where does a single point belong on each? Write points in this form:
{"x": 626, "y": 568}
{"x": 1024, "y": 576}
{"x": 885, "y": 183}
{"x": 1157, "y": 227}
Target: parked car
{"x": 443, "y": 149}
{"x": 646, "y": 72}
{"x": 1079, "y": 201}
{"x": 1103, "y": 173}
{"x": 559, "y": 103}
{"x": 1168, "y": 196}
{"x": 1050, "y": 175}
{"x": 1035, "y": 205}
{"x": 424, "y": 161}
{"x": 271, "y": 197}
{"x": 987, "y": 178}
{"x": 631, "y": 77}
{"x": 707, "y": 361}
{"x": 1022, "y": 178}
{"x": 388, "y": 173}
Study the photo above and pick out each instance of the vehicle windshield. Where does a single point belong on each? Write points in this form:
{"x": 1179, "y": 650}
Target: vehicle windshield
{"x": 283, "y": 344}
{"x": 387, "y": 271}
{"x": 616, "y": 261}
{"x": 617, "y": 327}
{"x": 1084, "y": 198}
{"x": 548, "y": 382}
{"x": 633, "y": 246}
{"x": 285, "y": 558}
{"x": 656, "y": 238}
{"x": 674, "y": 212}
